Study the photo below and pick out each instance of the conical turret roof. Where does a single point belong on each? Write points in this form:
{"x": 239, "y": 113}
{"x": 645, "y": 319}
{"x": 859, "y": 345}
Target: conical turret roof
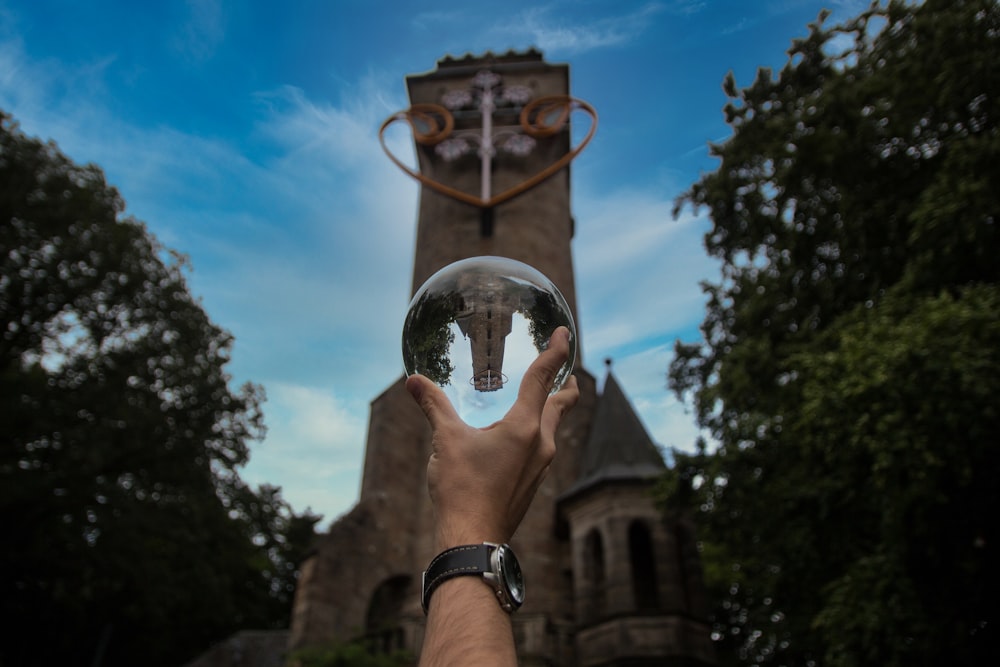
{"x": 619, "y": 448}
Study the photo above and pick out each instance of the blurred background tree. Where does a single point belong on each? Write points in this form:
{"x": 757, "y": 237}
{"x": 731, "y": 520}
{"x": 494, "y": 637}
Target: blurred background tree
{"x": 129, "y": 537}
{"x": 850, "y": 362}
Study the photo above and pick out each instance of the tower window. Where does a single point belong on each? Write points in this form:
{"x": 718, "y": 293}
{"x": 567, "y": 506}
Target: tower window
{"x": 643, "y": 563}
{"x": 594, "y": 577}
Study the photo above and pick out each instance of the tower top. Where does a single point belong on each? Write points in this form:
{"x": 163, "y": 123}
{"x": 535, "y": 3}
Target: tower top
{"x": 489, "y": 59}
{"x": 492, "y": 145}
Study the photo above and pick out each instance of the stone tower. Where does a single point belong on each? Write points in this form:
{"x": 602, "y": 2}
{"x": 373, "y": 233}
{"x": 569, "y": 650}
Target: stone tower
{"x": 610, "y": 582}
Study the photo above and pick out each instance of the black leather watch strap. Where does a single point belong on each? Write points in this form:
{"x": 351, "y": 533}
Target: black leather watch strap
{"x": 472, "y": 559}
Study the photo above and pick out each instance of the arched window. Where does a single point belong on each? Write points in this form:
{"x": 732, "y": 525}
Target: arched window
{"x": 384, "y": 610}
{"x": 641, "y": 557}
{"x": 594, "y": 578}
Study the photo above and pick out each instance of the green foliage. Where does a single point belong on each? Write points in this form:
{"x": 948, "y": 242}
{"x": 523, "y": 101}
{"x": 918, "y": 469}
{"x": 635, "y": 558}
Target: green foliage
{"x": 906, "y": 395}
{"x": 354, "y": 654}
{"x": 430, "y": 336}
{"x": 543, "y": 318}
{"x": 849, "y": 368}
{"x": 129, "y": 536}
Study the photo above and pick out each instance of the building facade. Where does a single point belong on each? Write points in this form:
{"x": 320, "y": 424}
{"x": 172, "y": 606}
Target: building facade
{"x": 609, "y": 580}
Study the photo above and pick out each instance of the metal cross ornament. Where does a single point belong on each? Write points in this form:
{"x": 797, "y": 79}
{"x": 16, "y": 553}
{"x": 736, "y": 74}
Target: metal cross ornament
{"x": 527, "y": 121}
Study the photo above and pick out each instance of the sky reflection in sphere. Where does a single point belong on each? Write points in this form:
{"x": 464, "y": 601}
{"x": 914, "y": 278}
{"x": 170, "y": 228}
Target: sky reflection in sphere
{"x": 474, "y": 328}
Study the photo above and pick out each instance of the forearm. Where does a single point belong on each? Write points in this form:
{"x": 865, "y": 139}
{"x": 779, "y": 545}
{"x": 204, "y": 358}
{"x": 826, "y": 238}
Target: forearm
{"x": 467, "y": 626}
{"x": 481, "y": 482}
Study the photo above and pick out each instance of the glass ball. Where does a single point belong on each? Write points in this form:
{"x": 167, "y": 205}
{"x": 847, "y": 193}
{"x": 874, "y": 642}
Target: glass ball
{"x": 474, "y": 328}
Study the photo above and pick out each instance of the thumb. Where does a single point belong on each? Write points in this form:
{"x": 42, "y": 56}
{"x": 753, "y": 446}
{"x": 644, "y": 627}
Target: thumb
{"x": 431, "y": 399}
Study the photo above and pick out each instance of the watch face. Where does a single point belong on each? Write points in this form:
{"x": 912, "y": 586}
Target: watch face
{"x": 510, "y": 573}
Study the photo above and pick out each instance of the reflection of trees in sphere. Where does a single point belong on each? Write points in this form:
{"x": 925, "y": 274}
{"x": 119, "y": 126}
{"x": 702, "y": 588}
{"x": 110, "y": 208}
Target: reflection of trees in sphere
{"x": 474, "y": 328}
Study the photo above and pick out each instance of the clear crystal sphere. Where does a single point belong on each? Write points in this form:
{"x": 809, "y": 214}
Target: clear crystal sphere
{"x": 474, "y": 328}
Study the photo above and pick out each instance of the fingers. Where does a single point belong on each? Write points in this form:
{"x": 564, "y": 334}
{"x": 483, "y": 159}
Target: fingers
{"x": 482, "y": 481}
{"x": 561, "y": 402}
{"x": 537, "y": 382}
{"x": 432, "y": 400}
{"x": 556, "y": 407}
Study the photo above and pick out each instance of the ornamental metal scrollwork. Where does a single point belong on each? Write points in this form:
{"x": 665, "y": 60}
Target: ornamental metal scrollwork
{"x": 433, "y": 125}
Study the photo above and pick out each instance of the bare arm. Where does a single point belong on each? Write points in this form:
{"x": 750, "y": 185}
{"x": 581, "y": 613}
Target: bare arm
{"x": 481, "y": 482}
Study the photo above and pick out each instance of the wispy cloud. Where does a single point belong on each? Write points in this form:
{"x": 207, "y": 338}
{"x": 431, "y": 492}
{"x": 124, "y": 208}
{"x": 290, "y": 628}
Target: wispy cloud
{"x": 295, "y": 233}
{"x": 301, "y": 235}
{"x": 200, "y": 34}
{"x": 58, "y": 95}
{"x": 316, "y": 442}
{"x": 638, "y": 274}
{"x": 559, "y": 35}
{"x": 743, "y": 23}
{"x": 687, "y": 7}
{"x": 433, "y": 19}
{"x": 641, "y": 281}
{"x": 668, "y": 420}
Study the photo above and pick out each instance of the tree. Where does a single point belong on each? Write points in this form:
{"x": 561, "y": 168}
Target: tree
{"x": 129, "y": 536}
{"x": 849, "y": 366}
{"x": 429, "y": 334}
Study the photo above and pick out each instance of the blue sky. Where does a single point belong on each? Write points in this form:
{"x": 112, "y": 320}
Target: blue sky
{"x": 244, "y": 133}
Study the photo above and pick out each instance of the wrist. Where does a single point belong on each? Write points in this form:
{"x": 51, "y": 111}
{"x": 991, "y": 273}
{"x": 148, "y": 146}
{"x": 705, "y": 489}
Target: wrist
{"x": 493, "y": 564}
{"x": 449, "y": 537}
{"x": 445, "y": 542}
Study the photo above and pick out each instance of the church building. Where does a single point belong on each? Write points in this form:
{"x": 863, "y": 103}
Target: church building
{"x": 610, "y": 581}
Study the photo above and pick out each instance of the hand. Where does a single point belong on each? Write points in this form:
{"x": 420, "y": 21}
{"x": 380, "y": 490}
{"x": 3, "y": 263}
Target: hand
{"x": 481, "y": 481}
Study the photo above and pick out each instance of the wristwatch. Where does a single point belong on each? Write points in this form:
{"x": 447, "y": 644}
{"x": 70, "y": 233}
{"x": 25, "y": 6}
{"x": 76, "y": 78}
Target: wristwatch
{"x": 495, "y": 563}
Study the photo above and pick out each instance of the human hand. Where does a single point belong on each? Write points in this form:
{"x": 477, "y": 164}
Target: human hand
{"x": 481, "y": 481}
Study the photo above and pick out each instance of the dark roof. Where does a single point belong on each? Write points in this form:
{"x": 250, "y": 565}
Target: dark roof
{"x": 489, "y": 58}
{"x": 619, "y": 448}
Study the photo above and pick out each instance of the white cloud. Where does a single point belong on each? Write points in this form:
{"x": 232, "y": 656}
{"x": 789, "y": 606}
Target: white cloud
{"x": 200, "y": 35}
{"x": 301, "y": 240}
{"x": 349, "y": 280}
{"x": 638, "y": 271}
{"x": 743, "y": 23}
{"x": 313, "y": 419}
{"x": 424, "y": 21}
{"x": 314, "y": 448}
{"x": 687, "y": 7}
{"x": 630, "y": 226}
{"x": 643, "y": 378}
{"x": 301, "y": 235}
{"x": 552, "y": 34}
{"x": 37, "y": 92}
{"x": 309, "y": 130}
